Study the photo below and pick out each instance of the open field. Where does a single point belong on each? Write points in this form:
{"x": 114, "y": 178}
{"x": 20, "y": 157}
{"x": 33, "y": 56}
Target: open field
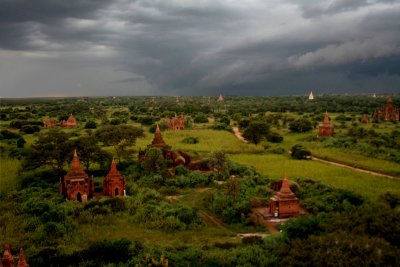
{"x": 276, "y": 166}
{"x": 8, "y": 173}
{"x": 209, "y": 141}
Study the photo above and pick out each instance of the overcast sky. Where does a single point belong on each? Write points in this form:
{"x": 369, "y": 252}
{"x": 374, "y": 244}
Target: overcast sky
{"x": 198, "y": 47}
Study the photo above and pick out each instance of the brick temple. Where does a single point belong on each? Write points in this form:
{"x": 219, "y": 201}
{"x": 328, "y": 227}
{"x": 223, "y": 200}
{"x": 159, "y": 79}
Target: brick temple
{"x": 70, "y": 123}
{"x": 178, "y": 158}
{"x": 176, "y": 123}
{"x": 8, "y": 259}
{"x": 113, "y": 183}
{"x": 388, "y": 113}
{"x": 326, "y": 128}
{"x": 77, "y": 184}
{"x": 49, "y": 123}
{"x": 284, "y": 204}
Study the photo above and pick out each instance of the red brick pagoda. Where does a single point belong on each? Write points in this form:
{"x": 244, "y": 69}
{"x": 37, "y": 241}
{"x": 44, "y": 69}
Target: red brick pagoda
{"x": 284, "y": 204}
{"x": 8, "y": 260}
{"x": 388, "y": 113}
{"x": 326, "y": 128}
{"x": 175, "y": 123}
{"x": 49, "y": 123}
{"x": 114, "y": 183}
{"x": 364, "y": 119}
{"x": 77, "y": 184}
{"x": 70, "y": 123}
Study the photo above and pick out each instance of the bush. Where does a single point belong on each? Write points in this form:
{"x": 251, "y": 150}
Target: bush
{"x": 90, "y": 125}
{"x": 6, "y": 134}
{"x": 21, "y": 142}
{"x": 299, "y": 152}
{"x": 300, "y": 125}
{"x": 274, "y": 137}
{"x": 30, "y": 129}
{"x": 220, "y": 126}
{"x": 190, "y": 140}
{"x": 200, "y": 118}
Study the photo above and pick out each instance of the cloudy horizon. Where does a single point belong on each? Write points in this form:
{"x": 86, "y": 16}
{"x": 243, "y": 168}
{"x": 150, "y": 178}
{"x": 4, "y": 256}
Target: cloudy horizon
{"x": 184, "y": 47}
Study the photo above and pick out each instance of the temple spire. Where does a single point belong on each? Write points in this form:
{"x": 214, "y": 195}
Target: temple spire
{"x": 22, "y": 262}
{"x": 7, "y": 256}
{"x": 158, "y": 140}
{"x": 326, "y": 118}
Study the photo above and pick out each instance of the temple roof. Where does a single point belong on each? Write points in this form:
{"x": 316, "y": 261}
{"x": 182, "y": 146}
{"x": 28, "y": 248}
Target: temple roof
{"x": 158, "y": 140}
{"x": 326, "y": 118}
{"x": 76, "y": 170}
{"x": 71, "y": 118}
{"x": 22, "y": 261}
{"x": 113, "y": 173}
{"x": 285, "y": 191}
{"x": 7, "y": 253}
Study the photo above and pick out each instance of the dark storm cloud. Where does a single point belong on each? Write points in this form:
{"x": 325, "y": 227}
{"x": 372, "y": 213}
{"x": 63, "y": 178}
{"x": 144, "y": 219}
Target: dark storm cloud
{"x": 183, "y": 47}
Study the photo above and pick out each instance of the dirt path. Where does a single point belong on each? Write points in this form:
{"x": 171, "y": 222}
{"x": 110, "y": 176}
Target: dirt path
{"x": 353, "y": 168}
{"x": 213, "y": 221}
{"x": 238, "y": 134}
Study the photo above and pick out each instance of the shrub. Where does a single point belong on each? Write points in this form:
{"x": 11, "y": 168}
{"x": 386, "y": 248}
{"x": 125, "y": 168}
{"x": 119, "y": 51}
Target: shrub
{"x": 6, "y": 134}
{"x": 30, "y": 129}
{"x": 90, "y": 125}
{"x": 299, "y": 152}
{"x": 274, "y": 137}
{"x": 200, "y": 118}
{"x": 301, "y": 125}
{"x": 190, "y": 140}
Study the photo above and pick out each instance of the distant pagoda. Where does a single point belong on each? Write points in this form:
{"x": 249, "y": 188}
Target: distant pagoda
{"x": 311, "y": 96}
{"x": 326, "y": 128}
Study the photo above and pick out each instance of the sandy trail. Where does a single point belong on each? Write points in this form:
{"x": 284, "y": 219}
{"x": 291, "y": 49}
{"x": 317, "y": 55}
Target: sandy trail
{"x": 238, "y": 134}
{"x": 354, "y": 168}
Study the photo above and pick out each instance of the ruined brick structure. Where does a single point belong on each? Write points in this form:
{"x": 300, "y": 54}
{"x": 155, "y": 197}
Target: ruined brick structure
{"x": 388, "y": 113}
{"x": 113, "y": 183}
{"x": 77, "y": 184}
{"x": 175, "y": 123}
{"x": 8, "y": 259}
{"x": 49, "y": 123}
{"x": 326, "y": 128}
{"x": 158, "y": 142}
{"x": 70, "y": 123}
{"x": 364, "y": 119}
{"x": 178, "y": 158}
{"x": 284, "y": 204}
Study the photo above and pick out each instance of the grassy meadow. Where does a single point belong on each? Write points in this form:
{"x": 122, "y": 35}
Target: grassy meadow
{"x": 276, "y": 166}
{"x": 8, "y": 173}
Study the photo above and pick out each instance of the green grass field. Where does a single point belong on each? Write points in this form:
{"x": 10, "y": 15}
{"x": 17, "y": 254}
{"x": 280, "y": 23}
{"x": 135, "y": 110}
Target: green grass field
{"x": 8, "y": 173}
{"x": 209, "y": 141}
{"x": 276, "y": 166}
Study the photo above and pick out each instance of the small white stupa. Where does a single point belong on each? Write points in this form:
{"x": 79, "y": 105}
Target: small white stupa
{"x": 221, "y": 98}
{"x": 311, "y": 96}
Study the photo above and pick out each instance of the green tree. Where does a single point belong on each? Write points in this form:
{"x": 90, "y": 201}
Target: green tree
{"x": 88, "y": 150}
{"x": 256, "y": 131}
{"x": 301, "y": 125}
{"x": 154, "y": 161}
{"x": 299, "y": 152}
{"x": 21, "y": 142}
{"x": 119, "y": 136}
{"x": 51, "y": 148}
{"x": 90, "y": 125}
{"x": 219, "y": 161}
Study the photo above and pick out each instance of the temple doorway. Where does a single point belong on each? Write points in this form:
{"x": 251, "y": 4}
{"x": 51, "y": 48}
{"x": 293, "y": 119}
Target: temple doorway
{"x": 116, "y": 192}
{"x": 79, "y": 197}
